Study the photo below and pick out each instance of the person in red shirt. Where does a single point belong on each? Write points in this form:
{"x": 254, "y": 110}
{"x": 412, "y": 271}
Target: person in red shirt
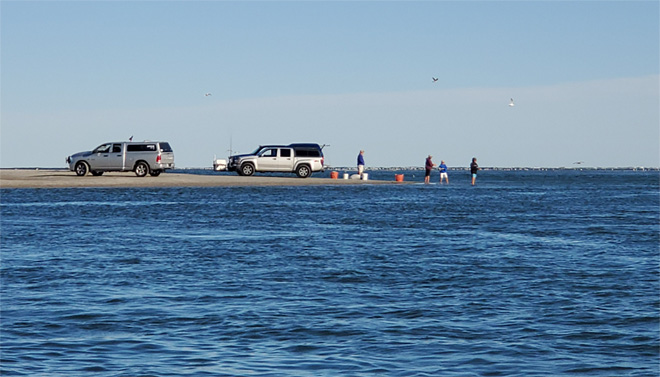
{"x": 429, "y": 167}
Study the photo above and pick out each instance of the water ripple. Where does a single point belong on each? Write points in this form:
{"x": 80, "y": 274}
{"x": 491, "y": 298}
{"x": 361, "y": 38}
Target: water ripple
{"x": 523, "y": 275}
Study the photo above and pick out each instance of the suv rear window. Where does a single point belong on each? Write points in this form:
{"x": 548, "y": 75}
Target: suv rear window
{"x": 141, "y": 148}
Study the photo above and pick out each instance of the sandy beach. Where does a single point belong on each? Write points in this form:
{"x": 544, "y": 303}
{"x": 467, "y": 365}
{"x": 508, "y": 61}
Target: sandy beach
{"x": 32, "y": 178}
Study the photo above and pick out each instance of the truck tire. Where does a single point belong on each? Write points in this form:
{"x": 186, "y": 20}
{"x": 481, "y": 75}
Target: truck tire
{"x": 82, "y": 168}
{"x": 155, "y": 173}
{"x": 303, "y": 171}
{"x": 247, "y": 169}
{"x": 141, "y": 169}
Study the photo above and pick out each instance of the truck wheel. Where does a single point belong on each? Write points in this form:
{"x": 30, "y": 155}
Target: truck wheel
{"x": 97, "y": 173}
{"x": 81, "y": 168}
{"x": 141, "y": 169}
{"x": 155, "y": 173}
{"x": 303, "y": 171}
{"x": 247, "y": 169}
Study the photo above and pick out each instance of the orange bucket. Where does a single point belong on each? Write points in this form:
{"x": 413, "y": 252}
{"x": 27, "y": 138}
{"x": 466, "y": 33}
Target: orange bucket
{"x": 334, "y": 174}
{"x": 398, "y": 177}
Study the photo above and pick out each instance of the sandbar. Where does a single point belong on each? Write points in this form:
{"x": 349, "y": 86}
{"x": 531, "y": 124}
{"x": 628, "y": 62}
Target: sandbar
{"x": 52, "y": 178}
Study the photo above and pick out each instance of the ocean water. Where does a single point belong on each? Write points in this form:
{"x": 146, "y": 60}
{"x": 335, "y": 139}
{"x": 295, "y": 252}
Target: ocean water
{"x": 526, "y": 274}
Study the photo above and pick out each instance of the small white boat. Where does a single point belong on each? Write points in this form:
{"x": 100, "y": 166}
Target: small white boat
{"x": 219, "y": 164}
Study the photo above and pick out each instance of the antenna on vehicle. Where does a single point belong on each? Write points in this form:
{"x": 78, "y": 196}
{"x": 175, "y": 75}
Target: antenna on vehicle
{"x": 231, "y": 137}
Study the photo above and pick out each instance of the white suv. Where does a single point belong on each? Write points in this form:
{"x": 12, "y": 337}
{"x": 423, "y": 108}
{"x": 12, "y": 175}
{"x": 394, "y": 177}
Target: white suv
{"x": 302, "y": 159}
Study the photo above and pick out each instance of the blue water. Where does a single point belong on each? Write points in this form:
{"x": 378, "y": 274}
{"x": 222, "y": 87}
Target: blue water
{"x": 526, "y": 274}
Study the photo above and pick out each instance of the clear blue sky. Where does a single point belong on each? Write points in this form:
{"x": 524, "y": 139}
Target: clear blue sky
{"x": 353, "y": 75}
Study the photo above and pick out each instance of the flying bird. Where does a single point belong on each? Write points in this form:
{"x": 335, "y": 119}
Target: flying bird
{"x": 434, "y": 79}
{"x": 511, "y": 104}
{"x": 207, "y": 94}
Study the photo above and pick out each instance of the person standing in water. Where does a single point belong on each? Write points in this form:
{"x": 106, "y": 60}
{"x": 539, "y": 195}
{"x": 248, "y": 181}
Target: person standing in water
{"x": 473, "y": 169}
{"x": 429, "y": 166}
{"x": 360, "y": 163}
{"x": 443, "y": 171}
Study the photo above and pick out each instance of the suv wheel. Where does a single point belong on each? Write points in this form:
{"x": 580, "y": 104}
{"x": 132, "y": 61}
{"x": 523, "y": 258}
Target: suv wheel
{"x": 141, "y": 169}
{"x": 81, "y": 168}
{"x": 303, "y": 171}
{"x": 247, "y": 169}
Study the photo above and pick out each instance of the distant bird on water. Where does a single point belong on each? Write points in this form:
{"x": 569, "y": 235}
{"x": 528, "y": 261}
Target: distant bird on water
{"x": 207, "y": 94}
{"x": 511, "y": 104}
{"x": 434, "y": 79}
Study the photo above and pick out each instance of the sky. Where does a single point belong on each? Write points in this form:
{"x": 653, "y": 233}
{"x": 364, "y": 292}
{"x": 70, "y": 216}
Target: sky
{"x": 350, "y": 75}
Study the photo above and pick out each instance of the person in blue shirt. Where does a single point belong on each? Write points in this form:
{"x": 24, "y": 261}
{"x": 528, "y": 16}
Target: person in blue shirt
{"x": 443, "y": 171}
{"x": 360, "y": 163}
{"x": 474, "y": 168}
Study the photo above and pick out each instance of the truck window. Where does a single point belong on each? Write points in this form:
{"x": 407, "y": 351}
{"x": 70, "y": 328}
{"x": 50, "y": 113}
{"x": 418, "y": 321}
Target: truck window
{"x": 308, "y": 153}
{"x": 269, "y": 153}
{"x": 285, "y": 152}
{"x": 105, "y": 148}
{"x": 141, "y": 148}
{"x": 116, "y": 148}
{"x": 165, "y": 147}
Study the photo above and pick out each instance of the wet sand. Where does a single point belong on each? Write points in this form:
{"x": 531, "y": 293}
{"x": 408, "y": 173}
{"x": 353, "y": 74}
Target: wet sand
{"x": 32, "y": 178}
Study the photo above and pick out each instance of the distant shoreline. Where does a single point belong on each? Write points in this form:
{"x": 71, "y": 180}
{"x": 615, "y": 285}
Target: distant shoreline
{"x": 398, "y": 168}
{"x": 458, "y": 168}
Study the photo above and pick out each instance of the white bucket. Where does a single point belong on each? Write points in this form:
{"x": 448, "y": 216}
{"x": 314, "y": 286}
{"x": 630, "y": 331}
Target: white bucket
{"x": 345, "y": 175}
{"x": 365, "y": 176}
